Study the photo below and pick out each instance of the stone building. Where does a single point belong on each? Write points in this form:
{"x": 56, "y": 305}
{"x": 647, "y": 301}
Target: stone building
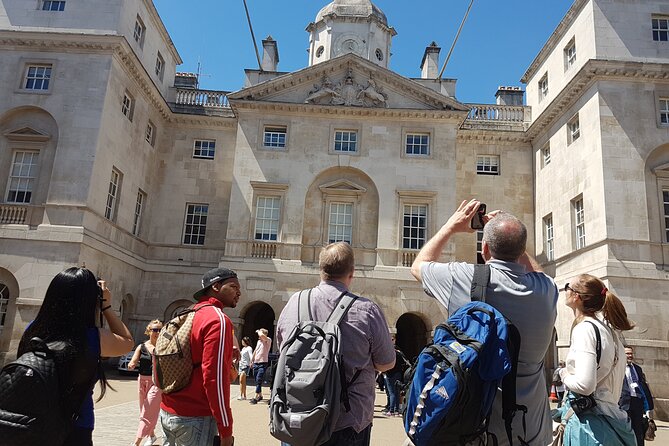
{"x": 114, "y": 160}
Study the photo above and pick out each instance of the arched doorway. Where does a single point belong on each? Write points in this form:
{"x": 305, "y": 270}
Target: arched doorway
{"x": 175, "y": 307}
{"x": 258, "y": 315}
{"x": 411, "y": 335}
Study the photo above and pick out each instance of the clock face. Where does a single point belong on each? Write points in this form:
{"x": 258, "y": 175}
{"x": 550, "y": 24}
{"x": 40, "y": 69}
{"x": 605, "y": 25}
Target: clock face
{"x": 349, "y": 44}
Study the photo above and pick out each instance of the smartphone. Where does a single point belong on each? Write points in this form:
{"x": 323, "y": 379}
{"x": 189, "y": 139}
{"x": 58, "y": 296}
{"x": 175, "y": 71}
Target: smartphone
{"x": 477, "y": 220}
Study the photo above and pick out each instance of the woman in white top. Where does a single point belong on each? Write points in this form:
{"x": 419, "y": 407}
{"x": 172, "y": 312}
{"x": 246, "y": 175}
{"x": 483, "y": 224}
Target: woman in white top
{"x": 244, "y": 366}
{"x": 591, "y": 415}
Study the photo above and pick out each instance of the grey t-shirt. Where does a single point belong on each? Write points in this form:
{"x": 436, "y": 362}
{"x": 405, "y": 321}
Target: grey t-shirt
{"x": 529, "y": 301}
{"x": 365, "y": 342}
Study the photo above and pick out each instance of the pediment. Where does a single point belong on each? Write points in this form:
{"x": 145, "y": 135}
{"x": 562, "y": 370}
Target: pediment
{"x": 26, "y": 134}
{"x": 348, "y": 81}
{"x": 342, "y": 187}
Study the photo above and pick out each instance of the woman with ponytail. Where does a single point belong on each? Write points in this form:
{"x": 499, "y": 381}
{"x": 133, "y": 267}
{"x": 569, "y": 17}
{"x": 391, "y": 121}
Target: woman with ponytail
{"x": 595, "y": 368}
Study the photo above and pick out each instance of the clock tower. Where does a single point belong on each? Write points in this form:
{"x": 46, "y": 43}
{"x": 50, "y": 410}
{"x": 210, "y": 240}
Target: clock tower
{"x": 350, "y": 26}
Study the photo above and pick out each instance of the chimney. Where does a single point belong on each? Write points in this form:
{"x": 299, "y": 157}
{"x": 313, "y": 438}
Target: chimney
{"x": 509, "y": 96}
{"x": 270, "y": 54}
{"x": 430, "y": 64}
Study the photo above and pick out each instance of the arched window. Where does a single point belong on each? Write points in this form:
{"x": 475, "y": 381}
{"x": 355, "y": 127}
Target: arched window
{"x": 4, "y": 304}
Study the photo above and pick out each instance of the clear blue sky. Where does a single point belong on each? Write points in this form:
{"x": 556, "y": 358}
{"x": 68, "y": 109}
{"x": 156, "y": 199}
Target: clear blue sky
{"x": 498, "y": 43}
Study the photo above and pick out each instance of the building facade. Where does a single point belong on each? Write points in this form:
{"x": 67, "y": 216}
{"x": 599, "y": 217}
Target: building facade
{"x": 114, "y": 160}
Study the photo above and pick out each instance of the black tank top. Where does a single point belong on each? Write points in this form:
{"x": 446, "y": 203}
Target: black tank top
{"x": 145, "y": 361}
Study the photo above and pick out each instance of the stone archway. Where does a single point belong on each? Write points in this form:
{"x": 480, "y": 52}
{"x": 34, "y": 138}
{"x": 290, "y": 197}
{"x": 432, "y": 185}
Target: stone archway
{"x": 175, "y": 307}
{"x": 411, "y": 335}
{"x": 258, "y": 315}
{"x": 9, "y": 292}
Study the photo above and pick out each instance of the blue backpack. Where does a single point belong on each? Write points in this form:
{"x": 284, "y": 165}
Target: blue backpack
{"x": 455, "y": 378}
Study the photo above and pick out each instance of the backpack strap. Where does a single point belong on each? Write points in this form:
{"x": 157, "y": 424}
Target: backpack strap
{"x": 598, "y": 340}
{"x": 509, "y": 404}
{"x": 345, "y": 301}
{"x": 304, "y": 307}
{"x": 480, "y": 282}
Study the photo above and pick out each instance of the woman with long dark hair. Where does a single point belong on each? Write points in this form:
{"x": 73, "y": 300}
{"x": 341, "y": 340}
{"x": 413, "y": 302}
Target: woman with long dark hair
{"x": 595, "y": 367}
{"x": 72, "y": 305}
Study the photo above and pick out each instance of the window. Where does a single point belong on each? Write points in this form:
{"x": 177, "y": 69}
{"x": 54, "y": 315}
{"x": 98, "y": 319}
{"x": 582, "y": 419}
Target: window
{"x": 4, "y": 304}
{"x": 267, "y": 218}
{"x": 37, "y": 77}
{"x": 543, "y": 87}
{"x": 417, "y": 144}
{"x": 22, "y": 177}
{"x": 127, "y": 106}
{"x": 579, "y": 222}
{"x": 487, "y": 165}
{"x": 570, "y": 55}
{"x": 414, "y": 232}
{"x": 150, "y": 136}
{"x": 139, "y": 32}
{"x": 274, "y": 137}
{"x": 204, "y": 148}
{"x": 546, "y": 154}
{"x": 139, "y": 207}
{"x": 664, "y": 111}
{"x": 48, "y": 5}
{"x": 573, "y": 130}
{"x": 346, "y": 141}
{"x": 112, "y": 195}
{"x": 160, "y": 66}
{"x": 665, "y": 199}
{"x": 660, "y": 25}
{"x": 548, "y": 237}
{"x": 479, "y": 247}
{"x": 340, "y": 227}
{"x": 195, "y": 226}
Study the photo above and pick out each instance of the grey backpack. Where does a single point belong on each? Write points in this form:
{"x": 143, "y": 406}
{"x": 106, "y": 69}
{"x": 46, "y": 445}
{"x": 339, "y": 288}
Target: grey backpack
{"x": 310, "y": 385}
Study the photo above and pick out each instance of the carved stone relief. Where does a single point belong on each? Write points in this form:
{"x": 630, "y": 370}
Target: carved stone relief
{"x": 347, "y": 92}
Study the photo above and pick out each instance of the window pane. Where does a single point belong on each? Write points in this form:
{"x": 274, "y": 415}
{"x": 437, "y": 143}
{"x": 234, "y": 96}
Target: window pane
{"x": 415, "y": 225}
{"x": 196, "y": 224}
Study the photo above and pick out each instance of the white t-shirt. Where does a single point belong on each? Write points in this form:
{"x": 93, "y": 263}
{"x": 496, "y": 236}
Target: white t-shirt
{"x": 581, "y": 374}
{"x": 245, "y": 359}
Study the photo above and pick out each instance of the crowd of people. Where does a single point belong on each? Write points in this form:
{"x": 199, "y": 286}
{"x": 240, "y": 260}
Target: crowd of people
{"x": 603, "y": 399}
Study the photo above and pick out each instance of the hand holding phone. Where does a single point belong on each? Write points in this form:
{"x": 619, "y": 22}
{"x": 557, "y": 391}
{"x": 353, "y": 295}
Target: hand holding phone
{"x": 478, "y": 221}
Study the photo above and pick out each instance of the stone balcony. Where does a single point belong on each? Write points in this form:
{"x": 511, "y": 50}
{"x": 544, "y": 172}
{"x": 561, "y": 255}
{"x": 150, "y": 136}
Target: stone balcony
{"x": 201, "y": 102}
{"x": 498, "y": 117}
{"x": 20, "y": 214}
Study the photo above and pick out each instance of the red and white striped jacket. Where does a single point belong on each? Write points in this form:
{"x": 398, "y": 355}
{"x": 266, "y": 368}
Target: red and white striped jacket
{"x": 208, "y": 393}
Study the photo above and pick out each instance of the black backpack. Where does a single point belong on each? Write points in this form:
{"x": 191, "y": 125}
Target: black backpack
{"x": 42, "y": 392}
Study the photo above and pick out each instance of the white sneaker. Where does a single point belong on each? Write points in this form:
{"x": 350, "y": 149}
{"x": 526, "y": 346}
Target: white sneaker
{"x": 150, "y": 441}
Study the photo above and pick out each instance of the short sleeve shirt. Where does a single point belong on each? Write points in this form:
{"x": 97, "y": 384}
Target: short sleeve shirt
{"x": 365, "y": 342}
{"x": 528, "y": 300}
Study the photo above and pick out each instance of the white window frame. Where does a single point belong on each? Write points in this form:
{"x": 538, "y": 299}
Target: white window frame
{"x": 549, "y": 237}
{"x": 660, "y": 27}
{"x": 53, "y": 5}
{"x": 543, "y": 87}
{"x": 4, "y": 304}
{"x": 160, "y": 66}
{"x": 573, "y": 129}
{"x": 664, "y": 111}
{"x": 197, "y": 211}
{"x": 665, "y": 212}
{"x": 487, "y": 165}
{"x": 128, "y": 105}
{"x": 546, "y": 154}
{"x": 113, "y": 193}
{"x": 275, "y": 137}
{"x": 139, "y": 209}
{"x": 578, "y": 212}
{"x": 43, "y": 80}
{"x": 422, "y": 145}
{"x": 417, "y": 238}
{"x": 570, "y": 54}
{"x": 267, "y": 218}
{"x": 23, "y": 183}
{"x": 340, "y": 209}
{"x": 139, "y": 31}
{"x": 204, "y": 149}
{"x": 150, "y": 135}
{"x": 346, "y": 139}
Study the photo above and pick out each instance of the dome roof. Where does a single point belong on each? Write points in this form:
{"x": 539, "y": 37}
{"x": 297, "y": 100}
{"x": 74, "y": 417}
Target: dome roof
{"x": 352, "y": 8}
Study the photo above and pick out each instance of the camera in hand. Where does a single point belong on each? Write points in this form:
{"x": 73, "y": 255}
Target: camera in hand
{"x": 582, "y": 403}
{"x": 477, "y": 221}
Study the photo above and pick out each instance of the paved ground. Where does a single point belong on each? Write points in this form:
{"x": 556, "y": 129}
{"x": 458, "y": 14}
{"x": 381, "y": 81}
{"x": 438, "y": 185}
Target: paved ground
{"x": 117, "y": 415}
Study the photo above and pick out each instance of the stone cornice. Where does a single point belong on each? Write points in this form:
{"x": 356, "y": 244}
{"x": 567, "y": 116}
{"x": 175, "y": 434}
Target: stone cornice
{"x": 491, "y": 137}
{"x": 593, "y": 71}
{"x": 559, "y": 32}
{"x": 316, "y": 72}
{"x": 153, "y": 12}
{"x": 183, "y": 120}
{"x": 341, "y": 110}
{"x": 53, "y": 42}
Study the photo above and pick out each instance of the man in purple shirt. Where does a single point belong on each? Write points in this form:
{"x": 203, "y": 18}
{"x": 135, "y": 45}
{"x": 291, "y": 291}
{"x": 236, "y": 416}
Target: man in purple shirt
{"x": 365, "y": 341}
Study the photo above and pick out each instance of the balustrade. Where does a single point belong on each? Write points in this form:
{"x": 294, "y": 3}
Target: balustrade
{"x": 496, "y": 113}
{"x": 13, "y": 214}
{"x": 408, "y": 257}
{"x": 202, "y": 98}
{"x": 260, "y": 250}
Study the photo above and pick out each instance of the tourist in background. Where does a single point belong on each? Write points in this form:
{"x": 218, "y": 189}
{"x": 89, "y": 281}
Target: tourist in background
{"x": 260, "y": 362}
{"x": 244, "y": 366}
{"x": 149, "y": 393}
{"x": 636, "y": 398}
{"x": 559, "y": 385}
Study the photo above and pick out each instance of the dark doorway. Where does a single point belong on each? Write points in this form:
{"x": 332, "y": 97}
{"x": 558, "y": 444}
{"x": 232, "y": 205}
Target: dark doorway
{"x": 411, "y": 335}
{"x": 258, "y": 315}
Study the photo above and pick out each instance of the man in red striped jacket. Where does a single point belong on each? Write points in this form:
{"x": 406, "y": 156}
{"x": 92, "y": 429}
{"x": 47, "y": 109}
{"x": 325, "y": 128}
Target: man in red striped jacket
{"x": 199, "y": 412}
